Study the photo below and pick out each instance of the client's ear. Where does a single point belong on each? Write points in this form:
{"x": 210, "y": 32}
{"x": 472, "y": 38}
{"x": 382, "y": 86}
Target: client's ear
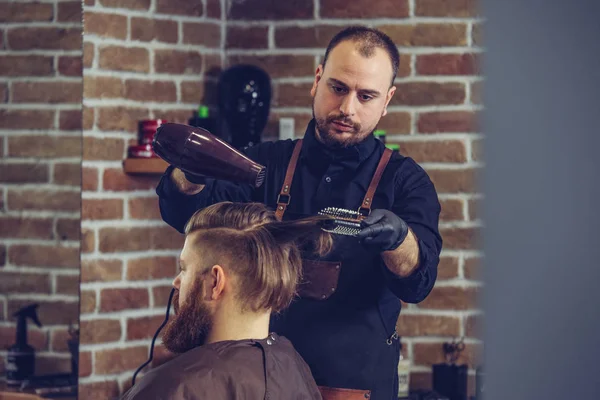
{"x": 217, "y": 282}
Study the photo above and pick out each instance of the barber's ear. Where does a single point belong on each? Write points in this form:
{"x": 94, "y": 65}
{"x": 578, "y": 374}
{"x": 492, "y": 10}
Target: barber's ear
{"x": 217, "y": 280}
{"x": 388, "y": 97}
{"x": 318, "y": 75}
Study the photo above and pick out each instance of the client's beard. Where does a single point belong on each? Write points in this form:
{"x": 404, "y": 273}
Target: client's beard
{"x": 191, "y": 324}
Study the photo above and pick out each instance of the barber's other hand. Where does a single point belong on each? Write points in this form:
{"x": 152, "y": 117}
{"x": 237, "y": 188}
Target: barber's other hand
{"x": 382, "y": 230}
{"x": 197, "y": 179}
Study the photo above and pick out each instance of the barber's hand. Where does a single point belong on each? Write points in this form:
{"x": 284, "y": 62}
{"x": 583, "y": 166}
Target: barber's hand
{"x": 197, "y": 179}
{"x": 382, "y": 230}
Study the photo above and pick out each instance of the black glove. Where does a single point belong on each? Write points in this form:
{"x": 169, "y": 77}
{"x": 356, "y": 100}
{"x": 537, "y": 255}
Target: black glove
{"x": 197, "y": 179}
{"x": 382, "y": 230}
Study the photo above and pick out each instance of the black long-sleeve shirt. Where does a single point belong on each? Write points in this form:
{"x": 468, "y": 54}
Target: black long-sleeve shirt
{"x": 339, "y": 178}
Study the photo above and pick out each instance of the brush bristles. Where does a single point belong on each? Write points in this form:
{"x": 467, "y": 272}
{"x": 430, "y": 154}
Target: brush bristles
{"x": 346, "y": 222}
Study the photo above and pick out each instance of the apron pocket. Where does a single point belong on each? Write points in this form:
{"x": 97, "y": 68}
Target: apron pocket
{"x": 329, "y": 393}
{"x": 320, "y": 279}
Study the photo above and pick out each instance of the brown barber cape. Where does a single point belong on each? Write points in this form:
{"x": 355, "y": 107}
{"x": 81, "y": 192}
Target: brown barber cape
{"x": 241, "y": 369}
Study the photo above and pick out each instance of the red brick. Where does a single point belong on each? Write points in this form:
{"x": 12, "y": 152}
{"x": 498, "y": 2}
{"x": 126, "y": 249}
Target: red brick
{"x": 51, "y": 364}
{"x": 448, "y": 121}
{"x": 3, "y": 92}
{"x": 451, "y": 298}
{"x": 24, "y": 173}
{"x": 472, "y": 268}
{"x": 36, "y": 338}
{"x": 44, "y": 146}
{"x": 139, "y": 239}
{"x": 27, "y": 119}
{"x": 475, "y": 206}
{"x": 305, "y": 36}
{"x": 84, "y": 367}
{"x": 446, "y": 8}
{"x": 34, "y": 255}
{"x": 29, "y": 65}
{"x": 107, "y": 389}
{"x": 454, "y": 180}
{"x": 270, "y": 10}
{"x": 427, "y": 35}
{"x": 157, "y": 91}
{"x": 443, "y": 151}
{"x": 177, "y": 116}
{"x": 151, "y": 268}
{"x": 428, "y": 93}
{"x": 70, "y": 65}
{"x": 447, "y": 64}
{"x": 44, "y": 38}
{"x": 51, "y": 312}
{"x": 177, "y": 62}
{"x": 474, "y": 326}
{"x": 364, "y": 9}
{"x": 144, "y": 208}
{"x": 120, "y": 118}
{"x": 116, "y": 180}
{"x": 88, "y": 54}
{"x": 19, "y": 282}
{"x": 58, "y": 340}
{"x": 119, "y": 360}
{"x": 89, "y": 179}
{"x": 98, "y": 209}
{"x": 68, "y": 229}
{"x": 161, "y": 295}
{"x": 105, "y": 25}
{"x": 212, "y": 67}
{"x": 461, "y": 238}
{"x": 190, "y": 8}
{"x": 452, "y": 210}
{"x": 100, "y": 331}
{"x": 47, "y": 92}
{"x": 213, "y": 8}
{"x": 68, "y": 174}
{"x": 2, "y": 303}
{"x": 70, "y": 11}
{"x": 88, "y": 301}
{"x": 103, "y": 270}
{"x": 476, "y": 88}
{"x": 420, "y": 381}
{"x": 247, "y": 37}
{"x": 87, "y": 241}
{"x": 117, "y": 58}
{"x": 427, "y": 354}
{"x": 103, "y": 149}
{"x": 123, "y": 299}
{"x": 131, "y": 4}
{"x": 292, "y": 95}
{"x": 57, "y": 200}
{"x": 143, "y": 328}
{"x": 193, "y": 91}
{"x": 26, "y": 227}
{"x": 279, "y": 66}
{"x": 25, "y": 12}
{"x": 447, "y": 268}
{"x": 147, "y": 30}
{"x": 88, "y": 118}
{"x": 206, "y": 34}
{"x": 396, "y": 123}
{"x": 70, "y": 120}
{"x": 102, "y": 87}
{"x": 67, "y": 284}
{"x": 427, "y": 325}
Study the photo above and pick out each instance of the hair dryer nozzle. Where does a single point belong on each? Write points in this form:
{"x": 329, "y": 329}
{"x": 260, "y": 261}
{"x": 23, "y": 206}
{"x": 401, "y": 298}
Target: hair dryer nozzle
{"x": 199, "y": 152}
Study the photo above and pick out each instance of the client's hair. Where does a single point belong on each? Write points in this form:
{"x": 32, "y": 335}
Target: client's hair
{"x": 262, "y": 252}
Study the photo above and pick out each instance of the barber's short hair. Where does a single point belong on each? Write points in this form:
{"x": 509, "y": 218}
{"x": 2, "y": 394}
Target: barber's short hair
{"x": 368, "y": 39}
{"x": 264, "y": 254}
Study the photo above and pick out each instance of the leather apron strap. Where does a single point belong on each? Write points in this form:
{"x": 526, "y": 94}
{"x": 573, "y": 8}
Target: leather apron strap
{"x": 365, "y": 207}
{"x": 283, "y": 200}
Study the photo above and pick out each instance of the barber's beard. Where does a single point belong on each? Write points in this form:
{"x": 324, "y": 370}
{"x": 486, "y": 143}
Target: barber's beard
{"x": 332, "y": 140}
{"x": 191, "y": 324}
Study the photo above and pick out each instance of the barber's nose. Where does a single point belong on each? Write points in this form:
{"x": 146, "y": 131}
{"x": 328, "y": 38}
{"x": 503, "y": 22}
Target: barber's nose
{"x": 348, "y": 106}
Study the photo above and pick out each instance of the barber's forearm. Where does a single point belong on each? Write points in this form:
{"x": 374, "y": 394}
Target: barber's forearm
{"x": 183, "y": 185}
{"x": 404, "y": 260}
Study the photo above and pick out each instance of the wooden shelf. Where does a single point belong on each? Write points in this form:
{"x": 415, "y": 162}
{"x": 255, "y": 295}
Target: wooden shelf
{"x": 144, "y": 165}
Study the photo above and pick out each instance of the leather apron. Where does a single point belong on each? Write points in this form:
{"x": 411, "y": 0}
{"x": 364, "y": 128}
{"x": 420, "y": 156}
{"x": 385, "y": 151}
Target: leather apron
{"x": 336, "y": 324}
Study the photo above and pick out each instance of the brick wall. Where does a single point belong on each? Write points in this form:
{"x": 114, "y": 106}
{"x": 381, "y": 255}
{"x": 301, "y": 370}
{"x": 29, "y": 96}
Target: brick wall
{"x": 40, "y": 173}
{"x": 159, "y": 58}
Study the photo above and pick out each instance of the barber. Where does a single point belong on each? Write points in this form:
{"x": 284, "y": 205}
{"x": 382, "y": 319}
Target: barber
{"x": 343, "y": 323}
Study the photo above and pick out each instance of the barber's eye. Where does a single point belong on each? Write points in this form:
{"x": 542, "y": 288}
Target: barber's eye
{"x": 366, "y": 97}
{"x": 338, "y": 89}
